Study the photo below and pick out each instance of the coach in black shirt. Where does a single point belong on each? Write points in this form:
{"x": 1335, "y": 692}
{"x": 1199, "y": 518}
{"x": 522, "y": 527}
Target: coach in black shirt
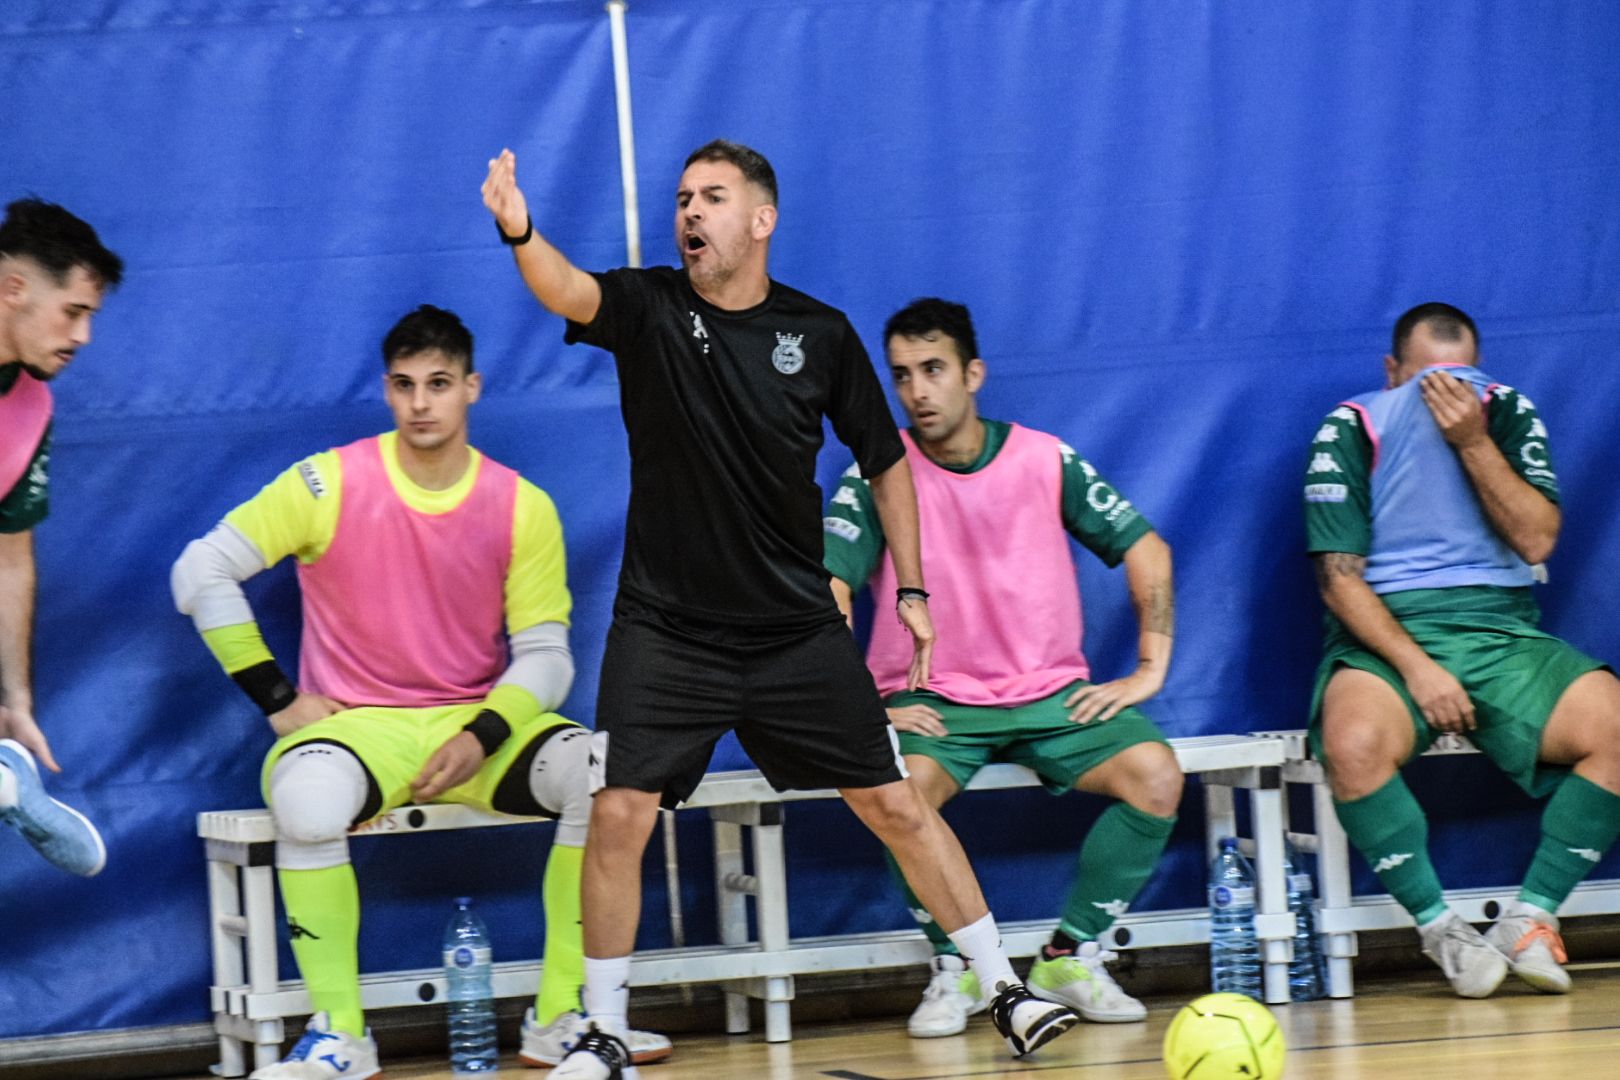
{"x": 724, "y": 618}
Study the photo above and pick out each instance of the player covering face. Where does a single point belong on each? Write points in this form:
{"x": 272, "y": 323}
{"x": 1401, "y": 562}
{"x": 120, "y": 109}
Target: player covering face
{"x": 434, "y": 655}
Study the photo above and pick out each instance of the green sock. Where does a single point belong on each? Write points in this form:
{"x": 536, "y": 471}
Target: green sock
{"x": 1579, "y": 825}
{"x": 1390, "y": 831}
{"x": 323, "y": 917}
{"x": 1116, "y": 860}
{"x": 931, "y": 929}
{"x": 563, "y": 972}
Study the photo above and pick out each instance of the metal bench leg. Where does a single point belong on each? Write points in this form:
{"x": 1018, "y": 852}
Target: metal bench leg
{"x": 1333, "y": 868}
{"x": 1274, "y": 923}
{"x": 771, "y": 909}
{"x": 225, "y": 902}
{"x": 733, "y": 909}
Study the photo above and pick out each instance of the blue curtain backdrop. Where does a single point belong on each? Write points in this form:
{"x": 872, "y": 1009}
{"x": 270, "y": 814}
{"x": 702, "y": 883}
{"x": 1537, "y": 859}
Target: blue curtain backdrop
{"x": 1184, "y": 229}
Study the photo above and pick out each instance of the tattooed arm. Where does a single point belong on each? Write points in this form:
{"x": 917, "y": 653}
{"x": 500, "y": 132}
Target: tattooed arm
{"x": 1148, "y": 576}
{"x": 1348, "y": 596}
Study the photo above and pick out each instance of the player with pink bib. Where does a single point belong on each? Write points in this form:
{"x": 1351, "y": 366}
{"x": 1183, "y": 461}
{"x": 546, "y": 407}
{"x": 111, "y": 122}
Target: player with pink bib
{"x": 998, "y": 504}
{"x": 434, "y": 653}
{"x": 54, "y": 273}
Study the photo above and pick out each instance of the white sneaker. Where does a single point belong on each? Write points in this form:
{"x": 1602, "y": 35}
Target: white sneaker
{"x": 1528, "y": 938}
{"x": 597, "y": 1055}
{"x": 324, "y": 1054}
{"x": 951, "y": 997}
{"x": 1081, "y": 982}
{"x": 545, "y": 1046}
{"x": 1473, "y": 964}
{"x": 1026, "y": 1021}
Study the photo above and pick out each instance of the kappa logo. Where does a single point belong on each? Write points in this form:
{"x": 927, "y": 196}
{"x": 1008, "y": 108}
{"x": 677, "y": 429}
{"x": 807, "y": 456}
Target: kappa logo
{"x": 1324, "y": 463}
{"x": 294, "y": 931}
{"x": 788, "y": 356}
{"x": 1344, "y": 412}
{"x": 1115, "y": 908}
{"x": 845, "y": 496}
{"x": 1586, "y": 853}
{"x": 699, "y": 331}
{"x": 1327, "y": 433}
{"x": 1390, "y": 862}
{"x": 922, "y": 916}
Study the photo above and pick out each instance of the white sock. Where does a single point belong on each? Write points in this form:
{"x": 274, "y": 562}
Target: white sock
{"x": 607, "y": 993}
{"x": 8, "y": 787}
{"x": 1424, "y": 928}
{"x": 980, "y": 945}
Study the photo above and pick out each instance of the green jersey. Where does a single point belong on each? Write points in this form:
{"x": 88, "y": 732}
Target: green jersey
{"x": 1094, "y": 513}
{"x": 26, "y": 504}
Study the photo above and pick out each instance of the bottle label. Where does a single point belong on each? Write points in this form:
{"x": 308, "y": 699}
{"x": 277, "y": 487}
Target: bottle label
{"x": 1301, "y": 883}
{"x": 1222, "y": 897}
{"x": 463, "y": 956}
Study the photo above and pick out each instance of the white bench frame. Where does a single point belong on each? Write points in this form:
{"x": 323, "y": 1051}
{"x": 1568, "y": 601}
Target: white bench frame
{"x": 1342, "y": 915}
{"x": 250, "y": 1001}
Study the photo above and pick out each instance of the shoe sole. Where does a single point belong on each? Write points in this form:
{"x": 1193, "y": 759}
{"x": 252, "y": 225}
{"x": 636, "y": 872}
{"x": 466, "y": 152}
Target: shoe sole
{"x": 645, "y": 1057}
{"x": 982, "y": 1007}
{"x": 1546, "y": 983}
{"x": 95, "y": 834}
{"x": 1049, "y": 1027}
{"x": 1487, "y": 992}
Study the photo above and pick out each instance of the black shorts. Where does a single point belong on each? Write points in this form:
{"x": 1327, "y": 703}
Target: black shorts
{"x": 802, "y": 703}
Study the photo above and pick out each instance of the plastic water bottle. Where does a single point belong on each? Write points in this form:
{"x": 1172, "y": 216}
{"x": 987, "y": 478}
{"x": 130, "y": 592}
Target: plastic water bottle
{"x": 1305, "y": 969}
{"x": 473, "y": 1050}
{"x": 1234, "y": 952}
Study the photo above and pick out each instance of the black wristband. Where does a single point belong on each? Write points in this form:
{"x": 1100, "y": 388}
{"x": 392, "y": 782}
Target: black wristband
{"x": 902, "y": 595}
{"x": 490, "y": 729}
{"x": 267, "y": 686}
{"x": 516, "y": 241}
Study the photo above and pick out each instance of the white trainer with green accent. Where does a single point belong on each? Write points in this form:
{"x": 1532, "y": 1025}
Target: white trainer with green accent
{"x": 951, "y": 997}
{"x": 1082, "y": 981}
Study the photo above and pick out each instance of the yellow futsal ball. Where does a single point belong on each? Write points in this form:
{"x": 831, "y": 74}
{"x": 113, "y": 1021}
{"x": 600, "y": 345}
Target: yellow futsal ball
{"x": 1223, "y": 1037}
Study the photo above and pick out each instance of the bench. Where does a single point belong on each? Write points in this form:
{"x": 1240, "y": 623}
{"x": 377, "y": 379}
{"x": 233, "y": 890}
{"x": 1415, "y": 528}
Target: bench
{"x": 250, "y": 1001}
{"x": 1342, "y": 915}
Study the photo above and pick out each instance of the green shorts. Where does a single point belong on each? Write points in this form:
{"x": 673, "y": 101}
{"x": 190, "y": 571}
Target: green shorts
{"x": 1038, "y": 735}
{"x": 393, "y": 744}
{"x": 1487, "y": 637}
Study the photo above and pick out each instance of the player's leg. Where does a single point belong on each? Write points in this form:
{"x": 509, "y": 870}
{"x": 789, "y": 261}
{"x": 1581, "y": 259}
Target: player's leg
{"x": 1126, "y": 759}
{"x": 65, "y": 837}
{"x": 1368, "y": 730}
{"x": 665, "y": 699}
{"x": 544, "y": 771}
{"x": 1580, "y": 824}
{"x": 317, "y": 785}
{"x": 812, "y": 719}
{"x": 952, "y": 994}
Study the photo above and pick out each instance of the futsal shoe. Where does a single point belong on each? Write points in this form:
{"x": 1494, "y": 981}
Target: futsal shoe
{"x": 1473, "y": 964}
{"x": 545, "y": 1046}
{"x": 324, "y": 1054}
{"x": 951, "y": 997}
{"x": 1080, "y": 981}
{"x": 1528, "y": 938}
{"x": 597, "y": 1055}
{"x": 60, "y": 833}
{"x": 1026, "y": 1021}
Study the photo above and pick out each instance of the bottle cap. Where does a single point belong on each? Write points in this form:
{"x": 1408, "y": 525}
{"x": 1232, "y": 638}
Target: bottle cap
{"x": 463, "y": 901}
{"x": 1229, "y": 843}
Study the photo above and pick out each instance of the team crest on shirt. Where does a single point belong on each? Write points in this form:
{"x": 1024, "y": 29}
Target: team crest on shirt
{"x": 788, "y": 356}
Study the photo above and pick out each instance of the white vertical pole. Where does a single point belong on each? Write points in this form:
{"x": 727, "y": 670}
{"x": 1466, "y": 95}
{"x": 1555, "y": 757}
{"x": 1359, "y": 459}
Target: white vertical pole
{"x": 627, "y": 136}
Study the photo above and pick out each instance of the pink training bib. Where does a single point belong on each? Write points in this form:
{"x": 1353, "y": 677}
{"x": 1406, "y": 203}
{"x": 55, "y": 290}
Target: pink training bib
{"x": 405, "y": 608}
{"x": 25, "y": 413}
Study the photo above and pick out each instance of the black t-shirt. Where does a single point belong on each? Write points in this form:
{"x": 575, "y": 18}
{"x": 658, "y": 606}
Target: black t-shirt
{"x": 724, "y": 410}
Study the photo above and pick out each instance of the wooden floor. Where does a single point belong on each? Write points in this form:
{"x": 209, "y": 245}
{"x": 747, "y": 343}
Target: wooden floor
{"x": 1413, "y": 1029}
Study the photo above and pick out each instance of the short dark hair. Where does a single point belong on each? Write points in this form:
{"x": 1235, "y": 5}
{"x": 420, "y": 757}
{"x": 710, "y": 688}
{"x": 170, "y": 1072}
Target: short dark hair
{"x": 755, "y": 169}
{"x": 931, "y": 315}
{"x": 50, "y": 236}
{"x": 1444, "y": 321}
{"x": 425, "y": 329}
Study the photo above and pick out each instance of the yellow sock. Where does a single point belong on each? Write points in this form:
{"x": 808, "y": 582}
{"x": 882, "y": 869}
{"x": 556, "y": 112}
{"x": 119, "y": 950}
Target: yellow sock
{"x": 323, "y": 915}
{"x": 563, "y": 972}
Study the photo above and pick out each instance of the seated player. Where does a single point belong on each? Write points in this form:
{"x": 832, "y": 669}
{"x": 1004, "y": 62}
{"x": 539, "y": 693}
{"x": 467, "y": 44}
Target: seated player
{"x": 435, "y": 647}
{"x": 1426, "y": 506}
{"x": 998, "y": 503}
{"x": 54, "y": 273}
